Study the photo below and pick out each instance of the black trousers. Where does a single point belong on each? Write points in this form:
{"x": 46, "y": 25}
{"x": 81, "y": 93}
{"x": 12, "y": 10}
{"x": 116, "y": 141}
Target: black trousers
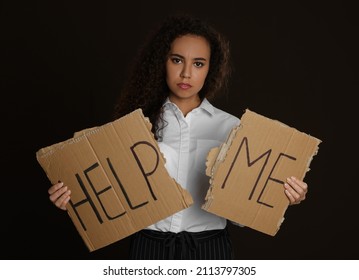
{"x": 205, "y": 245}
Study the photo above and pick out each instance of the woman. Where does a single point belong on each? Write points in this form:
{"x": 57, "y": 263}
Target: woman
{"x": 184, "y": 65}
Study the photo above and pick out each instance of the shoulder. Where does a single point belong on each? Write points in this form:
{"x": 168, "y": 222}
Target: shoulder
{"x": 225, "y": 116}
{"x": 217, "y": 121}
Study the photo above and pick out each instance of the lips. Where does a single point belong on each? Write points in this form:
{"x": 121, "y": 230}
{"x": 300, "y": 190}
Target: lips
{"x": 184, "y": 86}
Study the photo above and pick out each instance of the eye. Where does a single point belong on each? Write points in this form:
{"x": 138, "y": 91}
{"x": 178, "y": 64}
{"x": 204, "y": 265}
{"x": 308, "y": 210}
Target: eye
{"x": 176, "y": 60}
{"x": 198, "y": 64}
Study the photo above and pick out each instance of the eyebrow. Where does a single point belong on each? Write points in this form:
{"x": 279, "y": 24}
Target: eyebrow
{"x": 181, "y": 56}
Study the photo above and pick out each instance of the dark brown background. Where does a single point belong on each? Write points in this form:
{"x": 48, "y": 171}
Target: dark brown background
{"x": 63, "y": 63}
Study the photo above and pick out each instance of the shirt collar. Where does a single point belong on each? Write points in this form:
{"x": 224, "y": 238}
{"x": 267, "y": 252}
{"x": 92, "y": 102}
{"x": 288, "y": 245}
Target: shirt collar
{"x": 205, "y": 105}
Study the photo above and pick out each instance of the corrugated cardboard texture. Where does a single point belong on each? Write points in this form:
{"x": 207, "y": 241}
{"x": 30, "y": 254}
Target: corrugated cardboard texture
{"x": 249, "y": 170}
{"x": 117, "y": 177}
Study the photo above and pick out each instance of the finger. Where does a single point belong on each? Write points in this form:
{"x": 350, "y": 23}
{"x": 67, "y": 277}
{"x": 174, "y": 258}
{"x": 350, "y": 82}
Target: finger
{"x": 55, "y": 196}
{"x": 292, "y": 194}
{"x": 62, "y": 201}
{"x": 290, "y": 197}
{"x": 55, "y": 187}
{"x": 298, "y": 185}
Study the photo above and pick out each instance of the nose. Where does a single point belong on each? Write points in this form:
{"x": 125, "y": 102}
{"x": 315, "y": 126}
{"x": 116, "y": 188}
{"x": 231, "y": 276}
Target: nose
{"x": 186, "y": 72}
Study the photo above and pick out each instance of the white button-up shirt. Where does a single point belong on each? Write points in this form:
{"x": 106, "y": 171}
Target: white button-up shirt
{"x": 185, "y": 144}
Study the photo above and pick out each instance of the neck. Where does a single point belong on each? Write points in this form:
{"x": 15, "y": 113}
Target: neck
{"x": 186, "y": 105}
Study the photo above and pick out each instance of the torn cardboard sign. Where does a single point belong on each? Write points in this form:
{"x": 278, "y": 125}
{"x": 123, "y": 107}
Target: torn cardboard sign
{"x": 248, "y": 171}
{"x": 118, "y": 180}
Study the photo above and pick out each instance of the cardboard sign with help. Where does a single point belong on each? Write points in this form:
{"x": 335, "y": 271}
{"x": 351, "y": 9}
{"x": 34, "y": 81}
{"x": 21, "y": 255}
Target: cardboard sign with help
{"x": 117, "y": 177}
{"x": 247, "y": 172}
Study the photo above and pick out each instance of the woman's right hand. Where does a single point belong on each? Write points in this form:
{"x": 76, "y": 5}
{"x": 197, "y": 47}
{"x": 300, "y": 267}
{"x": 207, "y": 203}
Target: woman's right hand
{"x": 59, "y": 195}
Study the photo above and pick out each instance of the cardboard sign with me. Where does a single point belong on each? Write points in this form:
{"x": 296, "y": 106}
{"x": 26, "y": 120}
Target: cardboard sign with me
{"x": 247, "y": 173}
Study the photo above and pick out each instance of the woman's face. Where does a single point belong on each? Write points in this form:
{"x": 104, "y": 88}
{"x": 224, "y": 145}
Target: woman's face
{"x": 187, "y": 67}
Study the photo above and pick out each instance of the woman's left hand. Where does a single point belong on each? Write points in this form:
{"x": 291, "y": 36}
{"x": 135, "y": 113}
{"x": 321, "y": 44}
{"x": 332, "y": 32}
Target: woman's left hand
{"x": 295, "y": 190}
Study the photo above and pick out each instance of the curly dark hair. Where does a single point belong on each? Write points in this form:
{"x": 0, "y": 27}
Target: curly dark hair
{"x": 147, "y": 88}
